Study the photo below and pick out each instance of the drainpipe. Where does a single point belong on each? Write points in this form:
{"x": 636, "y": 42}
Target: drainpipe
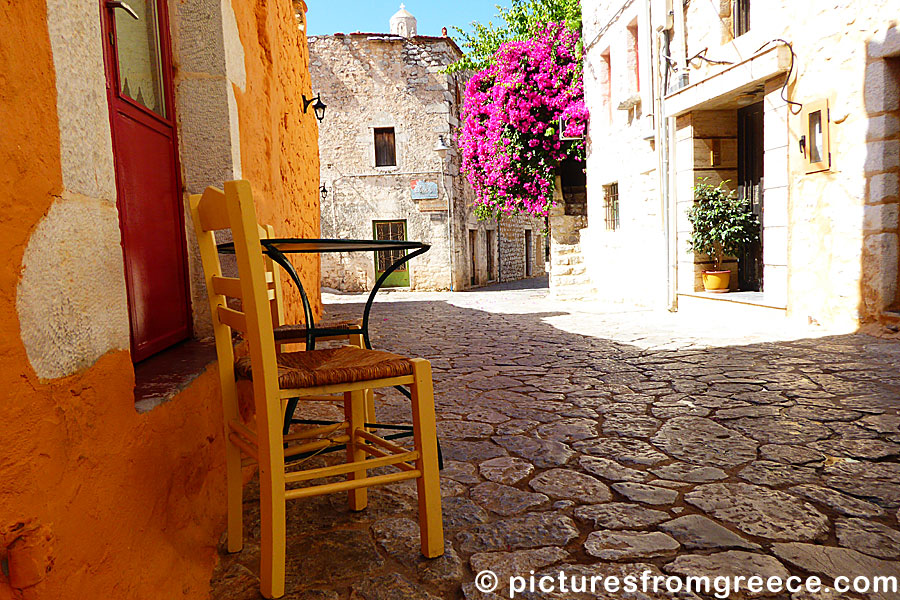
{"x": 449, "y": 191}
{"x": 662, "y": 131}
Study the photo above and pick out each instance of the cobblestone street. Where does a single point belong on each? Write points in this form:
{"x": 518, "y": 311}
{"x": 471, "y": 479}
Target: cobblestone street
{"x": 611, "y": 442}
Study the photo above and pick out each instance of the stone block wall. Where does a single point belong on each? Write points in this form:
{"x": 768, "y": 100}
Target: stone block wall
{"x": 881, "y": 216}
{"x": 513, "y": 258}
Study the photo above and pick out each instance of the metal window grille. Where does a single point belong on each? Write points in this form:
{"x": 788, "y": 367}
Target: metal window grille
{"x": 390, "y": 230}
{"x": 385, "y": 147}
{"x": 611, "y": 203}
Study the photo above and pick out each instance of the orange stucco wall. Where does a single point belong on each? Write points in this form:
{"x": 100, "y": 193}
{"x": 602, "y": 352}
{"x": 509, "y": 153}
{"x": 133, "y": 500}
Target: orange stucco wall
{"x": 96, "y": 500}
{"x": 279, "y": 143}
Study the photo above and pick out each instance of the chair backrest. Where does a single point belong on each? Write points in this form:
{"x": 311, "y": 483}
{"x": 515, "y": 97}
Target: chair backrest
{"x": 233, "y": 209}
{"x": 273, "y": 279}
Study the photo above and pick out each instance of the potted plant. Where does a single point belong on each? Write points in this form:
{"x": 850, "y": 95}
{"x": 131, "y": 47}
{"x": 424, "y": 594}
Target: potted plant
{"x": 722, "y": 226}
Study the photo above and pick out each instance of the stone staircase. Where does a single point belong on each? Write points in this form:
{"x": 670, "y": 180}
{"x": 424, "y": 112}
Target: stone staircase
{"x": 568, "y": 275}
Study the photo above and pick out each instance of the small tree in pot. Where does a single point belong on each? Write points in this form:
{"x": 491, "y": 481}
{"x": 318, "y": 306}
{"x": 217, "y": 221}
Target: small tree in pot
{"x": 722, "y": 226}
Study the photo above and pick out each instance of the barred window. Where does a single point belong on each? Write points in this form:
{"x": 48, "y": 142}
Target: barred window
{"x": 611, "y": 203}
{"x": 389, "y": 230}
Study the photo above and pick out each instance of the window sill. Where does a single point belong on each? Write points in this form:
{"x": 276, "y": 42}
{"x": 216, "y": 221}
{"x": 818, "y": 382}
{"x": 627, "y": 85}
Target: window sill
{"x": 163, "y": 376}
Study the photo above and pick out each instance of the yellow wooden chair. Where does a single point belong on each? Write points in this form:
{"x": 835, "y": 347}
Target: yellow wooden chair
{"x": 274, "y": 378}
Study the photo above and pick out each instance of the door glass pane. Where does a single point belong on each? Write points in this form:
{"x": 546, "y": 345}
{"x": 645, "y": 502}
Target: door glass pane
{"x": 138, "y": 48}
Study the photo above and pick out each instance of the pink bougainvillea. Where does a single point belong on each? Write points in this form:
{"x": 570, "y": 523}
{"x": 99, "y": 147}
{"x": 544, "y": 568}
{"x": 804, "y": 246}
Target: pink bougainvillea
{"x": 510, "y": 139}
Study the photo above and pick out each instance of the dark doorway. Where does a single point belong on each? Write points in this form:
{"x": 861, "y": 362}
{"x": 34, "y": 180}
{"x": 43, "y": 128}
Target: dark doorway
{"x": 151, "y": 217}
{"x": 473, "y": 277}
{"x": 750, "y": 190}
{"x": 529, "y": 253}
{"x": 574, "y": 187}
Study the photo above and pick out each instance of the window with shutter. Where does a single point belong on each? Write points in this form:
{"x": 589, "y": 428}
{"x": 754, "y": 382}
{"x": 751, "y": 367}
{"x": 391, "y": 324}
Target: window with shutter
{"x": 385, "y": 149}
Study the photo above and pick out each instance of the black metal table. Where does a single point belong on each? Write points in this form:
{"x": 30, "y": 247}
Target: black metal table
{"x": 278, "y": 248}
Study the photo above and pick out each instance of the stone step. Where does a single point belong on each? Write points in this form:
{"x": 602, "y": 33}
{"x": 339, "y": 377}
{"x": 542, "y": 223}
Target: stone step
{"x": 564, "y": 250}
{"x": 568, "y": 259}
{"x": 727, "y": 306}
{"x": 569, "y": 270}
{"x": 574, "y": 292}
{"x": 569, "y": 278}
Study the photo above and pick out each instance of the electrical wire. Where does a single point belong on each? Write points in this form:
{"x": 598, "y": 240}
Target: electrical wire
{"x": 787, "y": 79}
{"x": 702, "y": 56}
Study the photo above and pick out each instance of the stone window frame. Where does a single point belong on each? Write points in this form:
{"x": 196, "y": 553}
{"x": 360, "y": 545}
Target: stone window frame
{"x": 392, "y": 133}
{"x": 399, "y": 155}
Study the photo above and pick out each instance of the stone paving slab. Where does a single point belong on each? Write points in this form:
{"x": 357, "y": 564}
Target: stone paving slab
{"x": 611, "y": 442}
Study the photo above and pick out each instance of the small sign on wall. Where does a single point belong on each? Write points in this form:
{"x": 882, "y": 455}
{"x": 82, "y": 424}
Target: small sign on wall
{"x": 424, "y": 190}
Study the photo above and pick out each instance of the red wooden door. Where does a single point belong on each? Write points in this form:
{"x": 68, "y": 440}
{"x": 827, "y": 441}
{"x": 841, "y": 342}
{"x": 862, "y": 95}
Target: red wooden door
{"x": 151, "y": 217}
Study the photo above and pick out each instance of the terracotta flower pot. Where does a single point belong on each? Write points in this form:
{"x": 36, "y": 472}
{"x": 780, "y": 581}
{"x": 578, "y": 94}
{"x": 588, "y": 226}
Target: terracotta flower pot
{"x": 716, "y": 281}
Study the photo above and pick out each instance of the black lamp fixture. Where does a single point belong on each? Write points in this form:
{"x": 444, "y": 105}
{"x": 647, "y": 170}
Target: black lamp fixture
{"x": 318, "y": 107}
{"x": 323, "y": 191}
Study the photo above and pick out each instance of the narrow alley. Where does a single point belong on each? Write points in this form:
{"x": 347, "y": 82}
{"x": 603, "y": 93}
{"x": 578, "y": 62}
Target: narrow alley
{"x": 610, "y": 454}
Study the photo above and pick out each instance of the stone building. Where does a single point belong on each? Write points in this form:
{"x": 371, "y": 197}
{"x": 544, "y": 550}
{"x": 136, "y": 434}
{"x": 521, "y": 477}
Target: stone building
{"x": 113, "y": 462}
{"x": 794, "y": 107}
{"x": 390, "y": 111}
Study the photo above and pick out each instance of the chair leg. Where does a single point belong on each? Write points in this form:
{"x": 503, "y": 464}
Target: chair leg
{"x": 356, "y": 339}
{"x": 428, "y": 485}
{"x": 272, "y": 535}
{"x": 234, "y": 496}
{"x": 355, "y": 414}
{"x": 370, "y": 407}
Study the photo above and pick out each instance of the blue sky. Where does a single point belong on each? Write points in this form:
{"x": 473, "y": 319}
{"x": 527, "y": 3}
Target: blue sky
{"x": 373, "y": 16}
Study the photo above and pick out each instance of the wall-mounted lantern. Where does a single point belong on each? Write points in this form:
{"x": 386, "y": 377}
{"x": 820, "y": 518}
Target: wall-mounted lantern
{"x": 323, "y": 191}
{"x": 441, "y": 147}
{"x": 318, "y": 107}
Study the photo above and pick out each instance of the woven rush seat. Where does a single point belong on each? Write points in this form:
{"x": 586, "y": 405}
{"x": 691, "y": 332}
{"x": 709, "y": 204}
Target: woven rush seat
{"x": 346, "y": 364}
{"x": 294, "y": 331}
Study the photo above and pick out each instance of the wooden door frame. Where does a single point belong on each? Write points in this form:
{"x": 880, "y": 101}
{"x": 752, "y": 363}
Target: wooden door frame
{"x": 111, "y": 74}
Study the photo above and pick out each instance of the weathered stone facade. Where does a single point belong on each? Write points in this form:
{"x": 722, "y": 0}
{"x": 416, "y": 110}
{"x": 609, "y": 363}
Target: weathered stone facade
{"x": 393, "y": 83}
{"x": 829, "y": 247}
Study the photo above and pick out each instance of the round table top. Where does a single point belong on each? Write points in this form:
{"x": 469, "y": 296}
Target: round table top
{"x": 303, "y": 245}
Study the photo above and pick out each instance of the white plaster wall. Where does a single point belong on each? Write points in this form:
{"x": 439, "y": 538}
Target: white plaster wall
{"x": 619, "y": 152}
{"x": 71, "y": 303}
{"x": 85, "y": 139}
{"x": 71, "y": 299}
